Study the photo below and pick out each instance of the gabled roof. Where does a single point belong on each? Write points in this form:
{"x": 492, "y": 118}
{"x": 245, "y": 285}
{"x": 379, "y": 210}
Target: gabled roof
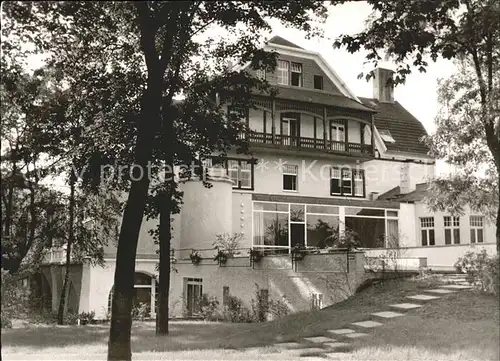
{"x": 417, "y": 195}
{"x": 402, "y": 125}
{"x": 280, "y": 41}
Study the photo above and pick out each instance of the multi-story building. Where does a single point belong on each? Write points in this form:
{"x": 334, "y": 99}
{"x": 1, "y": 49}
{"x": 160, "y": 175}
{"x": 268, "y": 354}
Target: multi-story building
{"x": 320, "y": 158}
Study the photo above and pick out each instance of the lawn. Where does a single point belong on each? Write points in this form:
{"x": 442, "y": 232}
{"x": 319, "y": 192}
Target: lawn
{"x": 459, "y": 326}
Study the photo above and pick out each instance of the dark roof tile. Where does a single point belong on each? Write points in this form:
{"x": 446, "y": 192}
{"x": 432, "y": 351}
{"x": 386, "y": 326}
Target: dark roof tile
{"x": 280, "y": 41}
{"x": 403, "y": 126}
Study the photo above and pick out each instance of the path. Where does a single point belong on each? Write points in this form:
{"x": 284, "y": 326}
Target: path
{"x": 335, "y": 343}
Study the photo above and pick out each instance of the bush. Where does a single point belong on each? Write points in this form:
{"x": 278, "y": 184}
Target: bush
{"x": 209, "y": 308}
{"x": 86, "y": 317}
{"x": 235, "y": 311}
{"x": 140, "y": 311}
{"x": 482, "y": 271}
{"x": 260, "y": 306}
{"x": 278, "y": 308}
{"x": 15, "y": 297}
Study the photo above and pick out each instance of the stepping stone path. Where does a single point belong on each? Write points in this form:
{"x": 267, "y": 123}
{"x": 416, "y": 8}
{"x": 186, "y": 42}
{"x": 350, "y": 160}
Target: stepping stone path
{"x": 457, "y": 287}
{"x": 387, "y": 314}
{"x": 406, "y": 306}
{"x": 423, "y": 297}
{"x": 319, "y": 339}
{"x": 330, "y": 348}
{"x": 440, "y": 291}
{"x": 367, "y": 324}
{"x": 337, "y": 345}
{"x": 342, "y": 331}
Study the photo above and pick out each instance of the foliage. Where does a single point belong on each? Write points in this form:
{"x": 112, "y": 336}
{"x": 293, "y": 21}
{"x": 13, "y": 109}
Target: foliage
{"x": 278, "y": 308}
{"x": 140, "y": 311}
{"x": 348, "y": 240}
{"x": 86, "y": 317}
{"x": 209, "y": 308}
{"x": 260, "y": 305}
{"x": 229, "y": 242}
{"x": 482, "y": 270}
{"x": 14, "y": 299}
{"x": 468, "y": 132}
{"x": 222, "y": 256}
{"x": 235, "y": 310}
{"x": 195, "y": 257}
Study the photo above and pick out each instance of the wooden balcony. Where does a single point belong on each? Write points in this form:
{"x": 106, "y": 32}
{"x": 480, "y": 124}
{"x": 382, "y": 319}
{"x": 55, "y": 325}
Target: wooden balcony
{"x": 293, "y": 142}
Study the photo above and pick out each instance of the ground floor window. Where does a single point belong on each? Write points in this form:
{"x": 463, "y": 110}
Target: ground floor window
{"x": 476, "y": 229}
{"x": 427, "y": 231}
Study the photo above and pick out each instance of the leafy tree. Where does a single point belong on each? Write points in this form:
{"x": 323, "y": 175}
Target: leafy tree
{"x": 410, "y": 32}
{"x": 146, "y": 53}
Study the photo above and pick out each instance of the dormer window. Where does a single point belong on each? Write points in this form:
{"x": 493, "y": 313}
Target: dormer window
{"x": 296, "y": 74}
{"x": 282, "y": 72}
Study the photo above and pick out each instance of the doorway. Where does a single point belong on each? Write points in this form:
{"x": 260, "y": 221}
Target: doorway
{"x": 193, "y": 290}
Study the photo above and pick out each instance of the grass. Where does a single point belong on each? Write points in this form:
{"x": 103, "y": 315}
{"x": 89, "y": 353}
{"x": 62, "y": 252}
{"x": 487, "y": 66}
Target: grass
{"x": 459, "y": 326}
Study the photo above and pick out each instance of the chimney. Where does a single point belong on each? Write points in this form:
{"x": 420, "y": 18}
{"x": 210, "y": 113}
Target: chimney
{"x": 405, "y": 185}
{"x": 383, "y": 88}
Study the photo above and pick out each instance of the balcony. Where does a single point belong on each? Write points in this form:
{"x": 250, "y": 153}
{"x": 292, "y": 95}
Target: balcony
{"x": 294, "y": 142}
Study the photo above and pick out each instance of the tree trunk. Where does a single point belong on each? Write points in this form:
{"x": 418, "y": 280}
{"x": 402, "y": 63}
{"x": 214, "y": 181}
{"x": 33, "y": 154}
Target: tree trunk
{"x": 62, "y": 299}
{"x": 165, "y": 231}
{"x": 119, "y": 347}
{"x": 164, "y": 275}
{"x": 498, "y": 221}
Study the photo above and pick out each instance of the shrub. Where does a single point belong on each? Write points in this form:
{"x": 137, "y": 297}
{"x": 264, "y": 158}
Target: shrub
{"x": 86, "y": 317}
{"x": 229, "y": 242}
{"x": 235, "y": 311}
{"x": 482, "y": 270}
{"x": 278, "y": 308}
{"x": 15, "y": 297}
{"x": 260, "y": 305}
{"x": 140, "y": 311}
{"x": 209, "y": 308}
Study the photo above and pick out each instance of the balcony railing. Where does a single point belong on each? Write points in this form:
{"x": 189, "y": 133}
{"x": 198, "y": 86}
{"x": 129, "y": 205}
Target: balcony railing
{"x": 310, "y": 143}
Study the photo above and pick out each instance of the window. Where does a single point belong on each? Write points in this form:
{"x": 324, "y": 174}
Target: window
{"x": 296, "y": 74}
{"x": 240, "y": 172}
{"x": 318, "y": 82}
{"x": 359, "y": 189}
{"x": 476, "y": 229}
{"x": 451, "y": 230}
{"x": 386, "y": 136}
{"x": 261, "y": 74}
{"x": 427, "y": 231}
{"x": 290, "y": 177}
{"x": 346, "y": 182}
{"x": 337, "y": 130}
{"x": 342, "y": 181}
{"x": 282, "y": 72}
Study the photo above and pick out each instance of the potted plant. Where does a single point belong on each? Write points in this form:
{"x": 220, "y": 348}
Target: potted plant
{"x": 221, "y": 256}
{"x": 255, "y": 255}
{"x": 195, "y": 257}
{"x": 298, "y": 252}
